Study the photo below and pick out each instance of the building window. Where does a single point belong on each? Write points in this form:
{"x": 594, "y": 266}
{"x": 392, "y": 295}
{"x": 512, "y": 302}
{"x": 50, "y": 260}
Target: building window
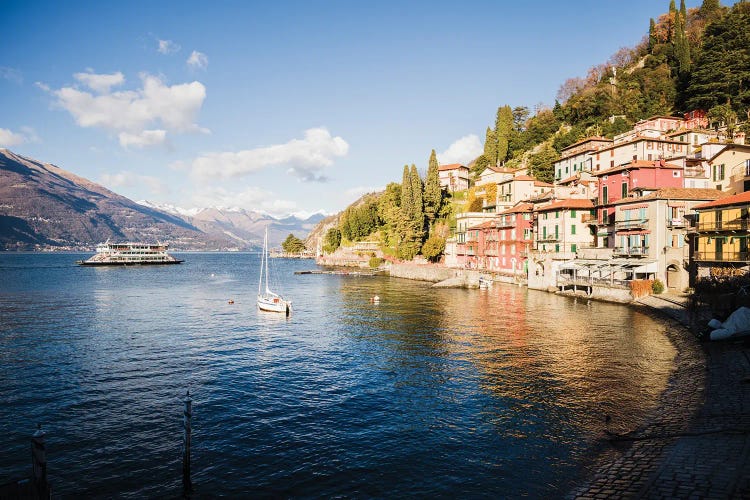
{"x": 557, "y": 214}
{"x": 649, "y": 157}
{"x": 612, "y": 164}
{"x": 747, "y": 168}
{"x": 573, "y": 248}
{"x": 624, "y": 190}
{"x": 573, "y": 213}
{"x": 557, "y": 247}
{"x": 605, "y": 199}
{"x": 718, "y": 172}
{"x": 573, "y": 229}
{"x": 675, "y": 173}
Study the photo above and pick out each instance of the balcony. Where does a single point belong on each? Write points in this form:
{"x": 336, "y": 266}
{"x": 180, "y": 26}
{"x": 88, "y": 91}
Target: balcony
{"x": 621, "y": 225}
{"x": 677, "y": 222}
{"x": 588, "y": 218}
{"x": 550, "y": 238}
{"x": 722, "y": 256}
{"x": 507, "y": 224}
{"x": 631, "y": 251}
{"x": 733, "y": 225}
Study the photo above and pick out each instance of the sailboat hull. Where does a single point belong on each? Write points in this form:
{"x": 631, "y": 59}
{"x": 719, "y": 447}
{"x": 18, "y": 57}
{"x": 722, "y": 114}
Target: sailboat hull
{"x": 273, "y": 304}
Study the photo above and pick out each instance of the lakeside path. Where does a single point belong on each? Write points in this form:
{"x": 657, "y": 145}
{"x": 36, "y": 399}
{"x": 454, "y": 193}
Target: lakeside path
{"x": 697, "y": 442}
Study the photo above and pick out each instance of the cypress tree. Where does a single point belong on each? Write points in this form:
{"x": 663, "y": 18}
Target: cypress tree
{"x": 490, "y": 147}
{"x": 651, "y": 36}
{"x": 681, "y": 47}
{"x": 503, "y": 130}
{"x": 417, "y": 202}
{"x": 433, "y": 194}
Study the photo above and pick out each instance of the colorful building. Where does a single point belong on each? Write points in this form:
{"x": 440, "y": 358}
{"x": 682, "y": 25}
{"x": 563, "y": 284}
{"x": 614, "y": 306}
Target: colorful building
{"x": 720, "y": 243}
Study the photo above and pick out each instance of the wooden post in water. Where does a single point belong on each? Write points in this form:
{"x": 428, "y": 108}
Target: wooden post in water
{"x": 39, "y": 461}
{"x": 187, "y": 484}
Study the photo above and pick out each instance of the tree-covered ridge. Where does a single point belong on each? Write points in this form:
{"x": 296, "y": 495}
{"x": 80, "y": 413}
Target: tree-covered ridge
{"x": 690, "y": 59}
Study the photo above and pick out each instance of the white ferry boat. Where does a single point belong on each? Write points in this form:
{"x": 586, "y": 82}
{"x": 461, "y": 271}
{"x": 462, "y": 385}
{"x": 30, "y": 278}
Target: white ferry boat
{"x": 129, "y": 254}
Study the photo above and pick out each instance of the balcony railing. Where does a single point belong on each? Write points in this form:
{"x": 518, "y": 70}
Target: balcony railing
{"x": 506, "y": 225}
{"x": 733, "y": 225}
{"x": 631, "y": 224}
{"x": 588, "y": 218}
{"x": 722, "y": 256}
{"x": 631, "y": 251}
{"x": 677, "y": 222}
{"x": 549, "y": 238}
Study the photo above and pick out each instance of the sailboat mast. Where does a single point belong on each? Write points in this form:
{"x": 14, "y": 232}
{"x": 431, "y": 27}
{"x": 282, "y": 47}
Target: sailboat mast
{"x": 265, "y": 249}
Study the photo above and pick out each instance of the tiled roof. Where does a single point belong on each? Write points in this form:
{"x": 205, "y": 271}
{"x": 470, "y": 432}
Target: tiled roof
{"x": 521, "y": 207}
{"x": 484, "y": 225}
{"x": 636, "y": 164}
{"x": 674, "y": 193}
{"x": 543, "y": 184}
{"x": 451, "y": 166}
{"x": 568, "y": 203}
{"x": 737, "y": 199}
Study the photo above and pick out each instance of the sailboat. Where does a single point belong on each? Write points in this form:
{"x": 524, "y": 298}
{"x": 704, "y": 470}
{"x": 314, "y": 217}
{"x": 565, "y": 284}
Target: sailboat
{"x": 268, "y": 300}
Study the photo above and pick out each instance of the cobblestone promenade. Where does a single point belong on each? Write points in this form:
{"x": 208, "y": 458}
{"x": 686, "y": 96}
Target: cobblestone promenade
{"x": 697, "y": 444}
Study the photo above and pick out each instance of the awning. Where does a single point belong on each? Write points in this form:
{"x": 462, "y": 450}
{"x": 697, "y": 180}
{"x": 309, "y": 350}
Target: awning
{"x": 645, "y": 268}
{"x": 602, "y": 233}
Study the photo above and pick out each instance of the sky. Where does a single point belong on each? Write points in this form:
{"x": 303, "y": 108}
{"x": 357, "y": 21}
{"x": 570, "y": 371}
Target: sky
{"x": 284, "y": 107}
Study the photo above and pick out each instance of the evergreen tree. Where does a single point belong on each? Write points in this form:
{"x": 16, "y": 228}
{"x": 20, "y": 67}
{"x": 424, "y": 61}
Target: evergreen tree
{"x": 389, "y": 211}
{"x": 332, "y": 240}
{"x": 416, "y": 190}
{"x": 292, "y": 244}
{"x": 490, "y": 147}
{"x": 503, "y": 130}
{"x": 681, "y": 46}
{"x": 433, "y": 193}
{"x": 722, "y": 71}
{"x": 651, "y": 36}
{"x": 540, "y": 164}
{"x": 711, "y": 10}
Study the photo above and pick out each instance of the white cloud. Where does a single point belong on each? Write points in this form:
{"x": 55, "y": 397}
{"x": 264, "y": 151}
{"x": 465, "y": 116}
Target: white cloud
{"x": 100, "y": 83}
{"x": 42, "y": 86}
{"x": 197, "y": 60}
{"x": 144, "y": 139}
{"x": 167, "y": 47}
{"x": 131, "y": 179}
{"x": 306, "y": 158}
{"x": 252, "y": 198}
{"x": 11, "y": 74}
{"x": 462, "y": 151}
{"x": 9, "y": 139}
{"x": 133, "y": 113}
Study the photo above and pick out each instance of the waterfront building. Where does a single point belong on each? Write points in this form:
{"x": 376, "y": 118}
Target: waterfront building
{"x": 720, "y": 243}
{"x": 502, "y": 244}
{"x": 618, "y": 183}
{"x": 650, "y": 232}
{"x": 454, "y": 177}
{"x": 461, "y": 247}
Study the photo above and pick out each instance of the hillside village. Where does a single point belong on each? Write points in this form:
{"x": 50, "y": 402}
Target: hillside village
{"x": 667, "y": 201}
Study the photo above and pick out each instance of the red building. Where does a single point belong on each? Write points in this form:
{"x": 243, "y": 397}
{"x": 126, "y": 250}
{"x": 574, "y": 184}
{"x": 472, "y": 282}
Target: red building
{"x": 618, "y": 183}
{"x": 502, "y": 244}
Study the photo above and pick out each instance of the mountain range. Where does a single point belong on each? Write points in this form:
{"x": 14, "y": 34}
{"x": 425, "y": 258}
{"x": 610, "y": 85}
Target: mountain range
{"x": 43, "y": 207}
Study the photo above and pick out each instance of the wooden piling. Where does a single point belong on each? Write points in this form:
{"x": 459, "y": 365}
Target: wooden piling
{"x": 187, "y": 484}
{"x": 39, "y": 463}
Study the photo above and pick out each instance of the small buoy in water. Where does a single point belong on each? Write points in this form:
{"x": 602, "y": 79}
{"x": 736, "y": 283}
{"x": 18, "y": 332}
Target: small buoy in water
{"x": 212, "y": 275}
{"x": 231, "y": 301}
{"x": 374, "y": 299}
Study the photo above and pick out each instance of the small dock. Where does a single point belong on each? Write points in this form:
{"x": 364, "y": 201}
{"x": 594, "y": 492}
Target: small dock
{"x": 338, "y": 272}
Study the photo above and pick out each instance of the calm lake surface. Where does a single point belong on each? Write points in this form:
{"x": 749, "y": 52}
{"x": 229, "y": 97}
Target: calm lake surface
{"x": 497, "y": 393}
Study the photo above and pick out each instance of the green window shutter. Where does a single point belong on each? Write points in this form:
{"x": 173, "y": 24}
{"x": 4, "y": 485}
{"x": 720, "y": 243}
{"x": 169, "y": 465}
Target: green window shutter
{"x": 573, "y": 248}
{"x": 573, "y": 229}
{"x": 572, "y": 213}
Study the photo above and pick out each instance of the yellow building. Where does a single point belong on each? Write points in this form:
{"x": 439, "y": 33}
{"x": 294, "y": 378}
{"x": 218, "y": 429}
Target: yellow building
{"x": 720, "y": 245}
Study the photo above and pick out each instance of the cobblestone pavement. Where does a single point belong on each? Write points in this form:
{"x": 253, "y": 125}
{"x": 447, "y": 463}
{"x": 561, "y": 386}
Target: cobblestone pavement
{"x": 697, "y": 444}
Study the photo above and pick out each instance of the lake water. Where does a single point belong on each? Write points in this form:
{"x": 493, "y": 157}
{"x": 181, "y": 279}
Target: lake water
{"x": 497, "y": 393}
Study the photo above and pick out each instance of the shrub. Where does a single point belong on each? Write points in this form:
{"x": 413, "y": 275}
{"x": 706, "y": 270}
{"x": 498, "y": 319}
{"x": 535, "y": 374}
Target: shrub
{"x": 657, "y": 287}
{"x": 375, "y": 262}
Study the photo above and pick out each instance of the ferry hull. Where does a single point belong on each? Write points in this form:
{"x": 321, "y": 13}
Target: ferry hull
{"x": 102, "y": 264}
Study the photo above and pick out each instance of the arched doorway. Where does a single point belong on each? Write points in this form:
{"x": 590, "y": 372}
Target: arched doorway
{"x": 674, "y": 276}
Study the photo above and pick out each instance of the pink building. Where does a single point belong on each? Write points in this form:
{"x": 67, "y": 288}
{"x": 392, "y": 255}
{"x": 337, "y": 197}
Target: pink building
{"x": 618, "y": 183}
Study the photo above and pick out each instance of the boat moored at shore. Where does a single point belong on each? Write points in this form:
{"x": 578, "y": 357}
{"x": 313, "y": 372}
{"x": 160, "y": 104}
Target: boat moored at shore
{"x": 130, "y": 254}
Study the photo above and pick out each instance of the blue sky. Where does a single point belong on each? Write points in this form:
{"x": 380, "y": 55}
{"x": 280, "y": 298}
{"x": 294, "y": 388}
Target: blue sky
{"x": 287, "y": 106}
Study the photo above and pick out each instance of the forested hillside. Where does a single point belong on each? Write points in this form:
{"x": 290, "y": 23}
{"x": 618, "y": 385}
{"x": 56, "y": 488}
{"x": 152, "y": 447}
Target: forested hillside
{"x": 688, "y": 60}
